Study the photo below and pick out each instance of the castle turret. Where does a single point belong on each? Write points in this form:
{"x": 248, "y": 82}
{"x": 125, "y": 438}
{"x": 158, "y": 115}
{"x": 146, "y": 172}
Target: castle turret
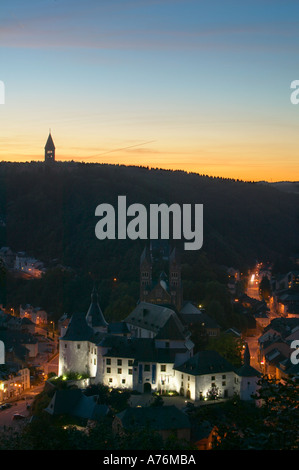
{"x": 94, "y": 317}
{"x": 249, "y": 377}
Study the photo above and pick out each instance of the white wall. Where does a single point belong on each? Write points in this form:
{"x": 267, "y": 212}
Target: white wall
{"x": 2, "y": 353}
{"x": 77, "y": 356}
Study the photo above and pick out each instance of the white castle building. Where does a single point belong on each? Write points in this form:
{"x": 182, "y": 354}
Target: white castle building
{"x": 149, "y": 351}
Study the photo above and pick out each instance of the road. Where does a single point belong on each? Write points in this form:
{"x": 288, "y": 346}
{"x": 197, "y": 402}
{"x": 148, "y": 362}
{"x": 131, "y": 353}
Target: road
{"x": 20, "y": 406}
{"x": 252, "y": 342}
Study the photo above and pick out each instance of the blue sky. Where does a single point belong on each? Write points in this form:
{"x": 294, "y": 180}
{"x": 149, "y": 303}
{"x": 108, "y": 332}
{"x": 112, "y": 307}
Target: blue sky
{"x": 201, "y": 86}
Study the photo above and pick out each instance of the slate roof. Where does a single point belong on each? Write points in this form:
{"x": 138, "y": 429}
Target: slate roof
{"x": 156, "y": 418}
{"x": 94, "y": 316}
{"x": 118, "y": 328}
{"x": 202, "y": 317}
{"x": 75, "y": 403}
{"x": 282, "y": 325}
{"x": 139, "y": 349}
{"x": 15, "y": 341}
{"x": 246, "y": 370}
{"x": 190, "y": 314}
{"x": 171, "y": 331}
{"x": 145, "y": 256}
{"x": 189, "y": 308}
{"x": 152, "y": 317}
{"x": 206, "y": 362}
{"x": 78, "y": 330}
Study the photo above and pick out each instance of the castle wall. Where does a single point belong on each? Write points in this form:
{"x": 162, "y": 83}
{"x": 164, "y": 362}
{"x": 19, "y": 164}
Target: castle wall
{"x": 77, "y": 356}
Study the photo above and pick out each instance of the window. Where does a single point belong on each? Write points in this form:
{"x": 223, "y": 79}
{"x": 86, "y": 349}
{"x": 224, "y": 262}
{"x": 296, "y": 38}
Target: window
{"x": 130, "y": 362}
{"x": 223, "y": 384}
{"x": 119, "y": 362}
{"x": 110, "y": 380}
{"x": 108, "y": 370}
{"x": 147, "y": 367}
{"x": 163, "y": 368}
{"x": 213, "y": 377}
{"x": 78, "y": 346}
{"x": 224, "y": 377}
{"x": 108, "y": 361}
{"x": 123, "y": 381}
{"x": 65, "y": 346}
{"x": 130, "y": 371}
{"x": 119, "y": 371}
{"x": 213, "y": 384}
{"x": 166, "y": 344}
{"x": 95, "y": 361}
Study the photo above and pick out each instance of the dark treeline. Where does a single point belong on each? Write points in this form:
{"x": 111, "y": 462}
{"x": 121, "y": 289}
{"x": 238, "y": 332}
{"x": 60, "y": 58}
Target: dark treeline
{"x": 49, "y": 212}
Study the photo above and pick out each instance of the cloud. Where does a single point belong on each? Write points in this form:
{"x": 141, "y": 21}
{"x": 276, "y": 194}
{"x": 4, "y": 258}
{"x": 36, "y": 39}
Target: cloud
{"x": 110, "y": 25}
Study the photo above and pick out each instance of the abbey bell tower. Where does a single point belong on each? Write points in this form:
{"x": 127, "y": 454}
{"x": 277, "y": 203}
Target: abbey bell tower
{"x": 50, "y": 150}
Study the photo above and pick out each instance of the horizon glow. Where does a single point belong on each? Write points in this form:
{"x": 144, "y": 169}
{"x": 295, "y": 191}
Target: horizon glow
{"x": 170, "y": 84}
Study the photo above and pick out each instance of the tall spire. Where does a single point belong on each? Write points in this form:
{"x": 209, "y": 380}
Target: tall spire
{"x": 94, "y": 316}
{"x": 50, "y": 149}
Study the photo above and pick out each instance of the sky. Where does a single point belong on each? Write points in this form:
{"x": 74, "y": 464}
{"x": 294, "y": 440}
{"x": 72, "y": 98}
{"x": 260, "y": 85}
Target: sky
{"x": 200, "y": 86}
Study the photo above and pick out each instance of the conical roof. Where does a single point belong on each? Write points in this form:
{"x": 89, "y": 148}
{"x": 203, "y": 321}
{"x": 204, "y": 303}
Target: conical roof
{"x": 50, "y": 144}
{"x": 247, "y": 370}
{"x": 77, "y": 329}
{"x": 94, "y": 316}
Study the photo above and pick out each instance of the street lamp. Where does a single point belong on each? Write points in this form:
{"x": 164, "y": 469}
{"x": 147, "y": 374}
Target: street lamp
{"x": 53, "y": 326}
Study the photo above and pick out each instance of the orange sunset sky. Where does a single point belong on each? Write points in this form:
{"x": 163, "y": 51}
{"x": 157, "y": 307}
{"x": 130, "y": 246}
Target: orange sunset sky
{"x": 191, "y": 85}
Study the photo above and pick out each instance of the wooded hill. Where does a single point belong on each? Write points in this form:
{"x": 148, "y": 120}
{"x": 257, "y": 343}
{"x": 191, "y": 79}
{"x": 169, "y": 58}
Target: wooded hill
{"x": 49, "y": 212}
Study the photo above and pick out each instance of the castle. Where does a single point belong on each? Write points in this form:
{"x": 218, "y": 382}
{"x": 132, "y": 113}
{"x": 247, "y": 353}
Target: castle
{"x": 151, "y": 349}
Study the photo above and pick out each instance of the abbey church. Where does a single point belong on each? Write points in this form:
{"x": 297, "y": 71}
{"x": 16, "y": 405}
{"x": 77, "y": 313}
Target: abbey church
{"x": 165, "y": 290}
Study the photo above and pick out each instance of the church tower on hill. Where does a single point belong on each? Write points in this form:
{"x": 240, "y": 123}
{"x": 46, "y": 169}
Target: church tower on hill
{"x": 49, "y": 150}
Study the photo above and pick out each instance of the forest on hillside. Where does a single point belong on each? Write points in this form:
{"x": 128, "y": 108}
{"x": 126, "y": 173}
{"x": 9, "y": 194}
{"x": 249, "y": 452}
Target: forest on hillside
{"x": 49, "y": 212}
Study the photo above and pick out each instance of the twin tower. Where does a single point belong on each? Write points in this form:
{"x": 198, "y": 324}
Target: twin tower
{"x": 165, "y": 289}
